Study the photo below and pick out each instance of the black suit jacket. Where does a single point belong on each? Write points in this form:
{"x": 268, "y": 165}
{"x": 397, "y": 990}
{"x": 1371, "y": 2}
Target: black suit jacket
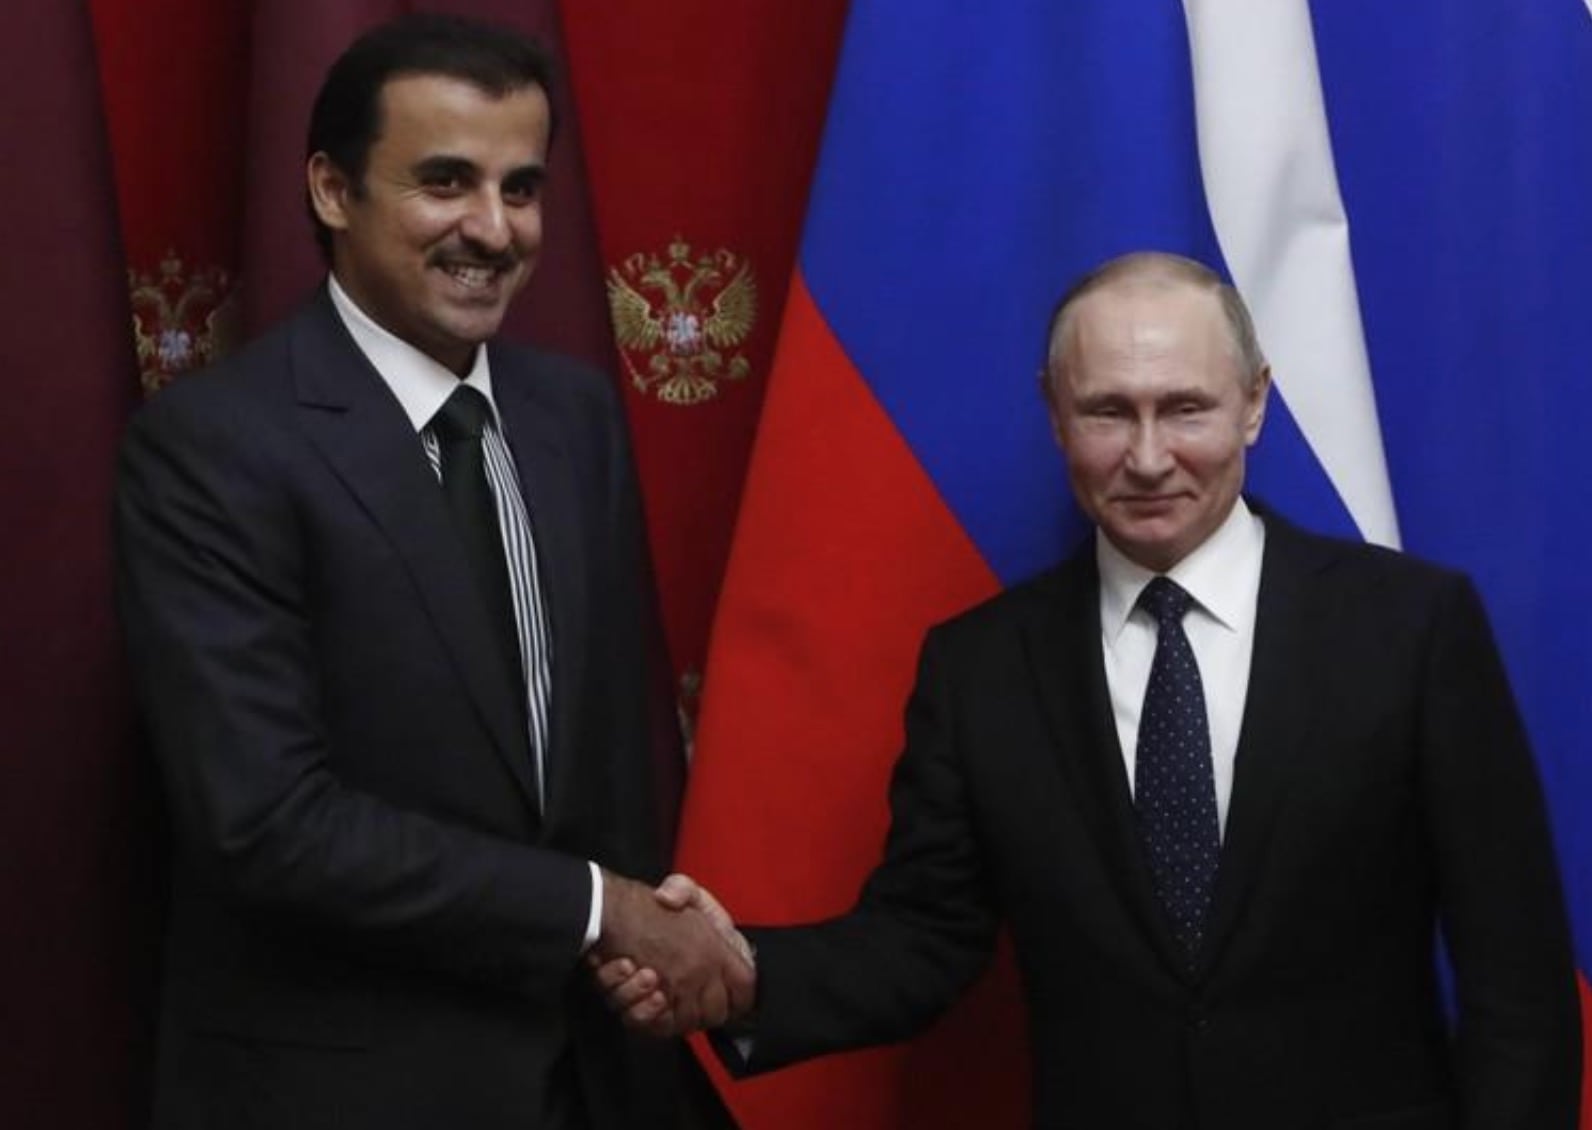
{"x": 1383, "y": 788}
{"x": 371, "y": 923}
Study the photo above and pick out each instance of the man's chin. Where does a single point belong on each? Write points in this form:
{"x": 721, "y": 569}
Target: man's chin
{"x": 452, "y": 343}
{"x": 1147, "y": 524}
{"x": 1148, "y": 508}
{"x": 472, "y": 326}
{"x": 1151, "y": 543}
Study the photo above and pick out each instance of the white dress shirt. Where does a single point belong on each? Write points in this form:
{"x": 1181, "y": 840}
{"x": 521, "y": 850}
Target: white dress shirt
{"x": 421, "y": 384}
{"x": 1223, "y": 577}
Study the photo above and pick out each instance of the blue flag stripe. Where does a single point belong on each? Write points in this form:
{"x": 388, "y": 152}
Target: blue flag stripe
{"x": 1465, "y": 160}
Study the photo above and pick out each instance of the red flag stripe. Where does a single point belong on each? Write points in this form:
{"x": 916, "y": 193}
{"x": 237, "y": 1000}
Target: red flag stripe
{"x": 786, "y": 808}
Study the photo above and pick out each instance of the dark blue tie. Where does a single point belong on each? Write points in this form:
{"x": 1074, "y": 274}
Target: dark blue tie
{"x": 1174, "y": 791}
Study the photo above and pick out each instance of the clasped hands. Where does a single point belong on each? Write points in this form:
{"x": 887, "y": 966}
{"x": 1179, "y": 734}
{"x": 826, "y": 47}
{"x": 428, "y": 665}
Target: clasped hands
{"x": 670, "y": 961}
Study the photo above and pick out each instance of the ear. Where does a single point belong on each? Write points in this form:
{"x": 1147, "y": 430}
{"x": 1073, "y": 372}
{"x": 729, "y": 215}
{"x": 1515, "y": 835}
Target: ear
{"x": 1255, "y": 406}
{"x": 1047, "y": 393}
{"x": 1057, "y": 431}
{"x": 330, "y": 191}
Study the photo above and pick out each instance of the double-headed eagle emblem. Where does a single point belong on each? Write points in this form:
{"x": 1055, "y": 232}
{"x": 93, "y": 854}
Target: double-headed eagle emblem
{"x": 679, "y": 320}
{"x": 181, "y": 319}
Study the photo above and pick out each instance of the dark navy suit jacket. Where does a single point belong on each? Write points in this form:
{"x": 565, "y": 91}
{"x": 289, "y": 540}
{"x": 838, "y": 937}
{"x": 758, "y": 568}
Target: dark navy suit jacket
{"x": 371, "y": 922}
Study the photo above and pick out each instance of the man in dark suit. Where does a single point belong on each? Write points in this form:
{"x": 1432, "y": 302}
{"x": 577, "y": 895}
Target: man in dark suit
{"x": 380, "y": 581}
{"x": 1223, "y": 780}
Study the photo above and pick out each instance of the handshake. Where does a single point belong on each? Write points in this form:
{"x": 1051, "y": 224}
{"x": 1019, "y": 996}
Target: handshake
{"x": 670, "y": 961}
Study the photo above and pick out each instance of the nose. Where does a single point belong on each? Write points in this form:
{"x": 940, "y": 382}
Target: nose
{"x": 486, "y": 222}
{"x": 1148, "y": 454}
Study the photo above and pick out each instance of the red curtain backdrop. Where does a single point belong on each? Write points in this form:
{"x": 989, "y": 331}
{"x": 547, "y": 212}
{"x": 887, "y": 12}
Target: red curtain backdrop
{"x": 702, "y": 120}
{"x": 175, "y": 73}
{"x": 73, "y": 881}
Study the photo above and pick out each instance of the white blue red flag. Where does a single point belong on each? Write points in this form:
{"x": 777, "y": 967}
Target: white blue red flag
{"x": 1400, "y": 190}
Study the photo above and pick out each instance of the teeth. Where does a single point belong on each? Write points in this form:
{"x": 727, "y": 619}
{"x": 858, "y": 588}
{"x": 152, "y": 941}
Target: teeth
{"x": 475, "y": 277}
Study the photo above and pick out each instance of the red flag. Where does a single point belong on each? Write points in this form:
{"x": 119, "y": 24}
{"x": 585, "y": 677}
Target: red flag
{"x": 843, "y": 556}
{"x": 71, "y": 851}
{"x": 702, "y": 122}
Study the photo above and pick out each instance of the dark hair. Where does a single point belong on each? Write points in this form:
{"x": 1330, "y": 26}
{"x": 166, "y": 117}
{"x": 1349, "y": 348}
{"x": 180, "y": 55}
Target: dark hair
{"x": 346, "y": 118}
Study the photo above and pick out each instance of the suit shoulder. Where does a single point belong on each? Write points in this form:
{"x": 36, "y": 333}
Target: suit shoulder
{"x": 996, "y": 618}
{"x": 555, "y": 374}
{"x": 241, "y": 391}
{"x": 1370, "y": 588}
{"x": 1371, "y": 564}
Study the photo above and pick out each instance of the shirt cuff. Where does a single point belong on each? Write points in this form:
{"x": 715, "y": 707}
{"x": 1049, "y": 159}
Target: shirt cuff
{"x": 594, "y": 920}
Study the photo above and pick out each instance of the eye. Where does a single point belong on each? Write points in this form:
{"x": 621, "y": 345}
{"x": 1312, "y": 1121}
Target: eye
{"x": 1102, "y": 410}
{"x": 442, "y": 184}
{"x": 523, "y": 188}
{"x": 445, "y": 177}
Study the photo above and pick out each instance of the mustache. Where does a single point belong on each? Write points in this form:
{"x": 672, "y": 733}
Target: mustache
{"x": 467, "y": 254}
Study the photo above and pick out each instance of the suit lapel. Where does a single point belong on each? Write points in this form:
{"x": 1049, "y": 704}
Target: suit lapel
{"x": 533, "y": 419}
{"x": 1070, "y": 682}
{"x": 1277, "y": 720}
{"x": 361, "y": 431}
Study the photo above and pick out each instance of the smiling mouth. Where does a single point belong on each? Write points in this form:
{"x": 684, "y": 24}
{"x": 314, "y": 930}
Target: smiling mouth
{"x": 472, "y": 276}
{"x": 1148, "y": 501}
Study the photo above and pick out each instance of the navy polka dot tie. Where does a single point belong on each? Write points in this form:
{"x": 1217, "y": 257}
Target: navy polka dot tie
{"x": 1174, "y": 791}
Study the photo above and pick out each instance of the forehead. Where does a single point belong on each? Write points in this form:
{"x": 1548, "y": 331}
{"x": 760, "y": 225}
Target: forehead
{"x": 1143, "y": 331}
{"x": 428, "y": 114}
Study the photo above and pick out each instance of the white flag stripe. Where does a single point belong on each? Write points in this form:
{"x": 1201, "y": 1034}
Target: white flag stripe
{"x": 1266, "y": 160}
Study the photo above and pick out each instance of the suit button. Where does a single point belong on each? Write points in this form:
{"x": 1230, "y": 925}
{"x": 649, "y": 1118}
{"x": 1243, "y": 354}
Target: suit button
{"x": 1197, "y": 1020}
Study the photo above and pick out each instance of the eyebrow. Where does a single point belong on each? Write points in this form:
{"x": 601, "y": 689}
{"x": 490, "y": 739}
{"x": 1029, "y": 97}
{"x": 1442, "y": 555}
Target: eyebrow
{"x": 1169, "y": 396}
{"x": 529, "y": 176}
{"x": 446, "y": 165}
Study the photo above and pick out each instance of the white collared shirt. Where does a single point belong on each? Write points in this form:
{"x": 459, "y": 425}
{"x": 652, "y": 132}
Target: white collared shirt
{"x": 420, "y": 382}
{"x": 1223, "y": 577}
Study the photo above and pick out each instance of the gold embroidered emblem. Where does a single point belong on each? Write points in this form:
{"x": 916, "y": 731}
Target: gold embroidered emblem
{"x": 678, "y": 320}
{"x": 181, "y": 320}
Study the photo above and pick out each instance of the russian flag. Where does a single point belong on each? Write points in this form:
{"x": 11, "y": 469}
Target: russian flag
{"x": 1400, "y": 190}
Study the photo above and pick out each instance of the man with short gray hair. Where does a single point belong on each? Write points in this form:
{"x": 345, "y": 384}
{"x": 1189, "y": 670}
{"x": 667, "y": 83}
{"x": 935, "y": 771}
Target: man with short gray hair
{"x": 1224, "y": 781}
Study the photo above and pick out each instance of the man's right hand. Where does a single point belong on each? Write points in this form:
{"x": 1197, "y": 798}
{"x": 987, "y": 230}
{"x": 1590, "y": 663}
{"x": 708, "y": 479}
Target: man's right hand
{"x": 671, "y": 961}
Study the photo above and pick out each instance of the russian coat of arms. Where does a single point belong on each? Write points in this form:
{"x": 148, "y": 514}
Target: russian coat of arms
{"x": 181, "y": 319}
{"x": 679, "y": 319}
